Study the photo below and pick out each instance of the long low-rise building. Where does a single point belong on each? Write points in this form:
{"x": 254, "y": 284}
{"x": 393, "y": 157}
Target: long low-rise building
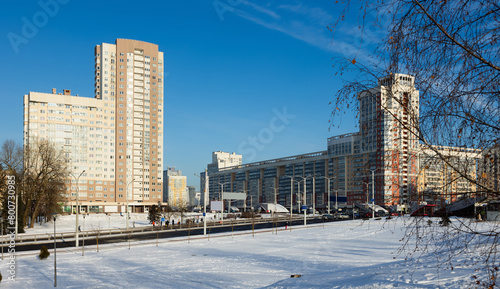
{"x": 381, "y": 162}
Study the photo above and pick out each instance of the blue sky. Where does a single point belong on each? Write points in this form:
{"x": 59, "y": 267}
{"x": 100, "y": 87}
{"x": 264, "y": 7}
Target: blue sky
{"x": 233, "y": 69}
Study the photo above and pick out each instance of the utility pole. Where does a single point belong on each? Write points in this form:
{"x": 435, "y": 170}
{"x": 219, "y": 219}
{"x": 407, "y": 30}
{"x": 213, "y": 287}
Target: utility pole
{"x": 55, "y": 253}
{"x": 126, "y": 194}
{"x": 291, "y": 198}
{"x": 373, "y": 193}
{"x": 77, "y": 207}
{"x": 205, "y": 204}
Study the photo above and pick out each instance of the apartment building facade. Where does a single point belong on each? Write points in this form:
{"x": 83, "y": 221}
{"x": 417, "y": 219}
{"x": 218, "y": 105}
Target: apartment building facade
{"x": 439, "y": 182}
{"x": 489, "y": 171}
{"x": 115, "y": 137}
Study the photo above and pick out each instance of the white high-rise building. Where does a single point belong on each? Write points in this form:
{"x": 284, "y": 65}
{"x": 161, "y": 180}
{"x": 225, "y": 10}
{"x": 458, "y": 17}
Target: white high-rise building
{"x": 116, "y": 137}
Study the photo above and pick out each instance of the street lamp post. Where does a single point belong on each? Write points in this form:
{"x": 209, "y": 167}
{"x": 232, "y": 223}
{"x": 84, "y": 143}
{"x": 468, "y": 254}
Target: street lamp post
{"x": 1, "y": 221}
{"x": 222, "y": 199}
{"x": 246, "y": 198}
{"x": 305, "y": 201}
{"x": 367, "y": 193}
{"x": 77, "y": 208}
{"x": 126, "y": 198}
{"x": 305, "y": 197}
{"x": 17, "y": 222}
{"x": 55, "y": 253}
{"x": 336, "y": 200}
{"x": 205, "y": 200}
{"x": 336, "y": 193}
{"x": 83, "y": 237}
{"x": 314, "y": 196}
{"x": 245, "y": 202}
{"x": 291, "y": 198}
{"x": 373, "y": 193}
{"x": 275, "y": 201}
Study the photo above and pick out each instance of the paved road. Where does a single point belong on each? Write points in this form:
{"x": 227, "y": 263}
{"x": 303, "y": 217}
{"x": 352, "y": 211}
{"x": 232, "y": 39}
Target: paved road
{"x": 161, "y": 234}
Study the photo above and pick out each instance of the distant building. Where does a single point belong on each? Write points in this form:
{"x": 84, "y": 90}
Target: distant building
{"x": 438, "y": 182}
{"x": 220, "y": 160}
{"x": 383, "y": 157}
{"x": 192, "y": 195}
{"x": 116, "y": 137}
{"x": 489, "y": 170}
{"x": 197, "y": 199}
{"x": 177, "y": 191}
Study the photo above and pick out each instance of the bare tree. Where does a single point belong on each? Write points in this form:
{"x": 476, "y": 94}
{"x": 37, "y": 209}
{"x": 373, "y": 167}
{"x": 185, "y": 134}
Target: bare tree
{"x": 40, "y": 173}
{"x": 168, "y": 214}
{"x": 183, "y": 209}
{"x": 11, "y": 162}
{"x": 96, "y": 229}
{"x": 44, "y": 179}
{"x": 451, "y": 48}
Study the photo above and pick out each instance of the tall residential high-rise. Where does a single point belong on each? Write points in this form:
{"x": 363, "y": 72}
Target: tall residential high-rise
{"x": 389, "y": 118}
{"x": 383, "y": 155}
{"x": 129, "y": 74}
{"x": 117, "y": 136}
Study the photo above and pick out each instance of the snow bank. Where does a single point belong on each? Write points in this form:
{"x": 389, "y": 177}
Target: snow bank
{"x": 348, "y": 254}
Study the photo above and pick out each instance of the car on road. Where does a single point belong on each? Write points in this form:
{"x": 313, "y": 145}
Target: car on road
{"x": 327, "y": 217}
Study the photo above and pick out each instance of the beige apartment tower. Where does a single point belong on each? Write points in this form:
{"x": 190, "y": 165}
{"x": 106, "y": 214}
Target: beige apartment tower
{"x": 116, "y": 137}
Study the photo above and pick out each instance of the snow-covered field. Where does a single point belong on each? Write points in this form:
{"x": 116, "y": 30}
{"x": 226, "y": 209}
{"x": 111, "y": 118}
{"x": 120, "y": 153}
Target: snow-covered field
{"x": 67, "y": 223}
{"x": 348, "y": 254}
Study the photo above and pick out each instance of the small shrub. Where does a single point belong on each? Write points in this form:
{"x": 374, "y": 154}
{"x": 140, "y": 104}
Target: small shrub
{"x": 44, "y": 253}
{"x": 248, "y": 215}
{"x": 445, "y": 221}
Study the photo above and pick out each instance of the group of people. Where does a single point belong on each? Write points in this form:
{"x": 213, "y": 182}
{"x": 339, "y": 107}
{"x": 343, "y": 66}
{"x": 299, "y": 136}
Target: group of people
{"x": 177, "y": 222}
{"x": 167, "y": 222}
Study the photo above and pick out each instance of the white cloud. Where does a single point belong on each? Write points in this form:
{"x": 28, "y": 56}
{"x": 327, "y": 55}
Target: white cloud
{"x": 262, "y": 9}
{"x": 307, "y": 24}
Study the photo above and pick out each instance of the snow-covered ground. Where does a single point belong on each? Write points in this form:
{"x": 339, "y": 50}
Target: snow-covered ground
{"x": 348, "y": 254}
{"x": 67, "y": 223}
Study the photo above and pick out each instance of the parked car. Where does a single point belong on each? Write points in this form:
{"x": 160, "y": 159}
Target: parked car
{"x": 349, "y": 213}
{"x": 310, "y": 211}
{"x": 327, "y": 217}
